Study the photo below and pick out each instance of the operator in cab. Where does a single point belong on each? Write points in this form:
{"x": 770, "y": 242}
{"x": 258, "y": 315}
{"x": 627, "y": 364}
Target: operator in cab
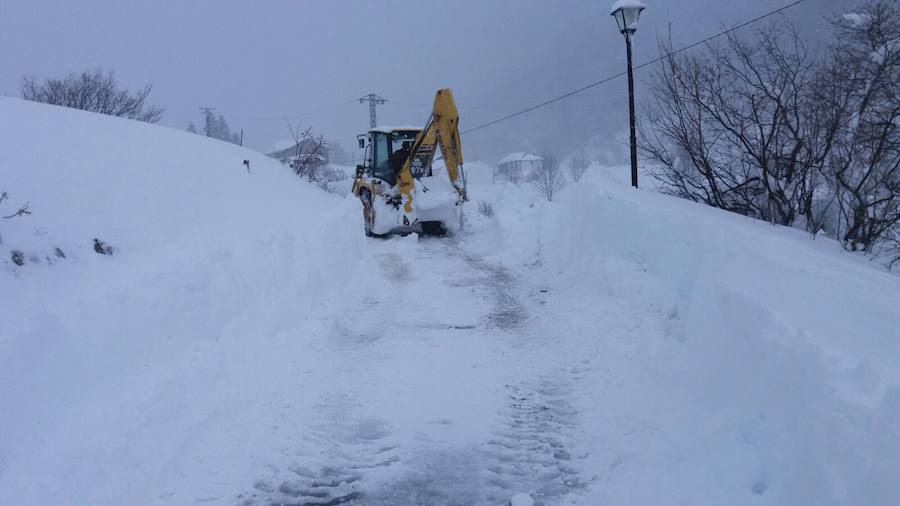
{"x": 399, "y": 156}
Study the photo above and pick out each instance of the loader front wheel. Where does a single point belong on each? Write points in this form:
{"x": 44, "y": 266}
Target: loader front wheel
{"x": 368, "y": 212}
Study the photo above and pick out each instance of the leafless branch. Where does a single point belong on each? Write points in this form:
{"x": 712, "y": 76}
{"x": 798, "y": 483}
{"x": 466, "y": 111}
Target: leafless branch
{"x": 24, "y": 210}
{"x": 309, "y": 153}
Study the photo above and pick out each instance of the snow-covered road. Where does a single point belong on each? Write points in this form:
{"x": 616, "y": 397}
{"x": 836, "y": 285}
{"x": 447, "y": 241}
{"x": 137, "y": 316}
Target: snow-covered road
{"x": 442, "y": 393}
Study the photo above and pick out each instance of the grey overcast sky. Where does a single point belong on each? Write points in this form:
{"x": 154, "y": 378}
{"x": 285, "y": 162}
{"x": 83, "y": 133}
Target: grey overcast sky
{"x": 258, "y": 61}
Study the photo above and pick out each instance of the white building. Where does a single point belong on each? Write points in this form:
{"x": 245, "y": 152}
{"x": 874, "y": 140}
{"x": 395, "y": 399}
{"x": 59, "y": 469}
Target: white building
{"x": 518, "y": 166}
{"x": 292, "y": 152}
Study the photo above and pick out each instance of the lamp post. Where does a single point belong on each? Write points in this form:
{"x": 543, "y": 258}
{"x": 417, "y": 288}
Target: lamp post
{"x": 627, "y": 14}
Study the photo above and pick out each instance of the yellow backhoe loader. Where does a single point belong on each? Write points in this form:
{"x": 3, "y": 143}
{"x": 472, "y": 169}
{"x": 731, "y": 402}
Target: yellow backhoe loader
{"x": 397, "y": 185}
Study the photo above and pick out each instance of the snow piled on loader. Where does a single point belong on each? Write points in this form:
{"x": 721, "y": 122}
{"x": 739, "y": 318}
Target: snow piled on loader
{"x": 246, "y": 344}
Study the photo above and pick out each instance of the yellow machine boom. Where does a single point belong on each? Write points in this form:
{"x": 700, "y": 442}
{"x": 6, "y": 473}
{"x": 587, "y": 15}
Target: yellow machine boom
{"x": 441, "y": 130}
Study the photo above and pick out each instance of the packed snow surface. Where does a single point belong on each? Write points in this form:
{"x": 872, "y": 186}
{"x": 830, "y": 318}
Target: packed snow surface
{"x": 245, "y": 344}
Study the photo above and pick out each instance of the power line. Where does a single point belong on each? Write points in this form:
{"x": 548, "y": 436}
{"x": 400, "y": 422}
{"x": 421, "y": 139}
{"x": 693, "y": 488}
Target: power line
{"x": 602, "y": 107}
{"x": 642, "y": 65}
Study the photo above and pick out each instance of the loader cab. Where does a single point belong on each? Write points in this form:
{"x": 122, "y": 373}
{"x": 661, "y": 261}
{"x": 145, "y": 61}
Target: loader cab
{"x": 387, "y": 150}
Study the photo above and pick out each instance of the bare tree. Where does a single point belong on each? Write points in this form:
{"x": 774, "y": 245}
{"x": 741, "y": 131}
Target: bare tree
{"x": 92, "y": 91}
{"x": 310, "y": 153}
{"x": 683, "y": 139}
{"x": 893, "y": 248}
{"x": 865, "y": 71}
{"x": 758, "y": 127}
{"x": 548, "y": 177}
{"x": 733, "y": 128}
{"x": 578, "y": 165}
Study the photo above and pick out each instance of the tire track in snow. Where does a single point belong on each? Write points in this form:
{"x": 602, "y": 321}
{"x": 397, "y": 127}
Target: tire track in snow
{"x": 501, "y": 286}
{"x": 532, "y": 450}
{"x": 508, "y": 313}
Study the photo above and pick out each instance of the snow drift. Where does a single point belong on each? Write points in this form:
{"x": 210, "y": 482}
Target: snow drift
{"x": 245, "y": 344}
{"x": 742, "y": 363}
{"x": 113, "y": 367}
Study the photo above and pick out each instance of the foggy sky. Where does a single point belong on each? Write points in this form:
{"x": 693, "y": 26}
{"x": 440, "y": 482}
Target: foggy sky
{"x": 258, "y": 61}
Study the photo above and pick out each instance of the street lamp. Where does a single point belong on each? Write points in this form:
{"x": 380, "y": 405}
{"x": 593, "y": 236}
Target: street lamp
{"x": 627, "y": 14}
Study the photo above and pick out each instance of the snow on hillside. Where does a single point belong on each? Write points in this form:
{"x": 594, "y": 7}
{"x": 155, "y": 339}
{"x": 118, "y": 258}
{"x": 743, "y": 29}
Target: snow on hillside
{"x": 245, "y": 344}
{"x": 112, "y": 366}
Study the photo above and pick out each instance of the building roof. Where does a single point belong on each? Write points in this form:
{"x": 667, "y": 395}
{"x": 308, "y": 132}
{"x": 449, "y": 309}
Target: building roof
{"x": 290, "y": 147}
{"x": 282, "y": 145}
{"x": 519, "y": 157}
{"x": 389, "y": 129}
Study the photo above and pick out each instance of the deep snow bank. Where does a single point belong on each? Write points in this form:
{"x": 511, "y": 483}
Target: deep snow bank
{"x": 115, "y": 369}
{"x": 707, "y": 358}
{"x": 731, "y": 362}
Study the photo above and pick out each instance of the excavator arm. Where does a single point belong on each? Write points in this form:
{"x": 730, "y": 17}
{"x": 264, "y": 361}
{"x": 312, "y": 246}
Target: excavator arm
{"x": 442, "y": 130}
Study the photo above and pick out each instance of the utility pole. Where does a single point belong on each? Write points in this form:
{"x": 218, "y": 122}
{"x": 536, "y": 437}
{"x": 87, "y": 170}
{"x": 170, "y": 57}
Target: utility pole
{"x": 207, "y": 113}
{"x": 373, "y": 100}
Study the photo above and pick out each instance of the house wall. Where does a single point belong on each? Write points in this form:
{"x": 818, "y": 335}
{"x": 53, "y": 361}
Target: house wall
{"x": 523, "y": 167}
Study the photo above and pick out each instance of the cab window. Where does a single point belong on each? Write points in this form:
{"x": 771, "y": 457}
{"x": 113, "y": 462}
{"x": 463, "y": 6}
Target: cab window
{"x": 382, "y": 167}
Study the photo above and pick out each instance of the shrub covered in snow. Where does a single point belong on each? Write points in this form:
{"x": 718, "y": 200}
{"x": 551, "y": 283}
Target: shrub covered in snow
{"x": 93, "y": 91}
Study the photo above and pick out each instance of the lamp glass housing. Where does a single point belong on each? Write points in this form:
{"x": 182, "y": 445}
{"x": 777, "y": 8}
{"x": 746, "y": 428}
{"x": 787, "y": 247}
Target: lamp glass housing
{"x": 627, "y": 18}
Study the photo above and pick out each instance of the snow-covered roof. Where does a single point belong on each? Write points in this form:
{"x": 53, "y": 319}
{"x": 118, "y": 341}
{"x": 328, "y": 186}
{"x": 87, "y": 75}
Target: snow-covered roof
{"x": 282, "y": 145}
{"x": 520, "y": 157}
{"x": 627, "y": 4}
{"x": 389, "y": 129}
{"x": 288, "y": 145}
